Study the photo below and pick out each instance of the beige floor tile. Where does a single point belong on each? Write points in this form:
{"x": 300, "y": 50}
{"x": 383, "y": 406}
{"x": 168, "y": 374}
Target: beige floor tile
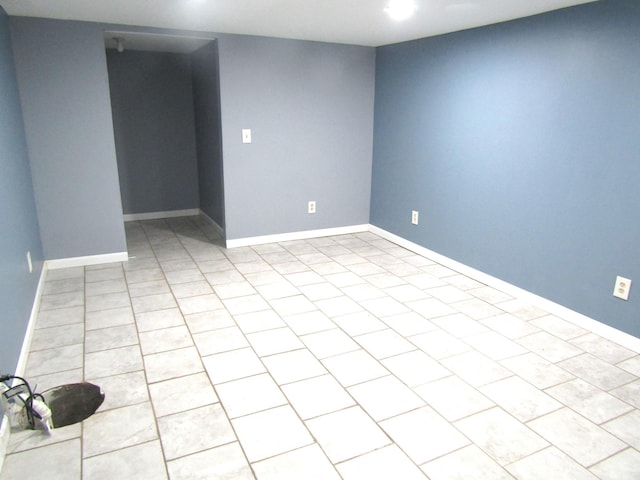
{"x": 329, "y": 343}
{"x": 475, "y": 369}
{"x": 382, "y": 464}
{"x": 122, "y": 390}
{"x": 520, "y": 399}
{"x": 453, "y": 398}
{"x": 112, "y": 337}
{"x": 466, "y": 463}
{"x": 113, "y": 362}
{"x": 424, "y": 435}
{"x": 227, "y": 366}
{"x": 597, "y": 372}
{"x": 60, "y": 461}
{"x": 172, "y": 364}
{"x": 182, "y": 393}
{"x": 308, "y": 462}
{"x": 626, "y": 428}
{"x": 385, "y": 397}
{"x": 224, "y": 462}
{"x": 500, "y": 436}
{"x": 118, "y": 428}
{"x": 548, "y": 463}
{"x": 317, "y": 396}
{"x": 182, "y": 433}
{"x": 384, "y": 343}
{"x": 142, "y": 462}
{"x": 277, "y": 340}
{"x": 415, "y": 368}
{"x": 576, "y": 436}
{"x": 271, "y": 432}
{"x": 250, "y": 395}
{"x": 347, "y": 433}
{"x": 623, "y": 465}
{"x": 55, "y": 360}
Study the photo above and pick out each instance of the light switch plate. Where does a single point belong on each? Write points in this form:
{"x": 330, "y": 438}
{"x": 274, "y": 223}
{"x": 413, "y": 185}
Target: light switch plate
{"x": 246, "y": 135}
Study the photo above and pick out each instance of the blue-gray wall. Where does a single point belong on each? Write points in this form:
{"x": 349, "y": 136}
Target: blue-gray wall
{"x": 519, "y": 145}
{"x": 19, "y": 231}
{"x": 310, "y": 108}
{"x": 153, "y": 122}
{"x": 206, "y": 97}
{"x": 62, "y": 74}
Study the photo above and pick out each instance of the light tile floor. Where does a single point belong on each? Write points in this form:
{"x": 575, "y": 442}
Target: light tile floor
{"x": 341, "y": 357}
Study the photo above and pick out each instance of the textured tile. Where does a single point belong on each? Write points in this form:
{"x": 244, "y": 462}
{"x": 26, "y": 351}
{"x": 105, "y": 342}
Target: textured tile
{"x": 108, "y": 301}
{"x": 271, "y": 432}
{"x": 122, "y": 390}
{"x": 589, "y": 401}
{"x": 354, "y": 367}
{"x": 170, "y": 317}
{"x": 54, "y": 360}
{"x": 112, "y": 362}
{"x": 178, "y": 431}
{"x": 453, "y": 398}
{"x": 494, "y": 345}
{"x": 549, "y": 347}
{"x": 309, "y": 322}
{"x": 259, "y": 321}
{"x": 384, "y": 343}
{"x": 293, "y": 366}
{"x": 329, "y": 342}
{"x": 308, "y": 462}
{"x": 172, "y": 364}
{"x": 459, "y": 325}
{"x": 385, "y": 397}
{"x": 536, "y": 370}
{"x": 202, "y": 322}
{"x": 347, "y": 433}
{"x": 520, "y": 399}
{"x": 630, "y": 393}
{"x": 415, "y": 368}
{"x": 549, "y": 463}
{"x": 381, "y": 464}
{"x": 250, "y": 395}
{"x": 510, "y": 326}
{"x": 156, "y": 341}
{"x": 409, "y": 324}
{"x": 439, "y": 344}
{"x": 220, "y": 340}
{"x": 502, "y": 437}
{"x": 108, "y": 318}
{"x": 113, "y": 337}
{"x": 59, "y": 461}
{"x": 144, "y": 462}
{"x": 227, "y": 366}
{"x": 317, "y": 396}
{"x": 61, "y": 336}
{"x": 431, "y": 308}
{"x": 118, "y": 428}
{"x": 466, "y": 463}
{"x": 626, "y": 428}
{"x": 199, "y": 304}
{"x": 182, "y": 393}
{"x": 596, "y": 371}
{"x": 423, "y": 434}
{"x": 475, "y": 369}
{"x": 602, "y": 348}
{"x": 224, "y": 462}
{"x": 61, "y": 316}
{"x": 623, "y": 465}
{"x": 558, "y": 327}
{"x": 270, "y": 342}
{"x": 576, "y": 436}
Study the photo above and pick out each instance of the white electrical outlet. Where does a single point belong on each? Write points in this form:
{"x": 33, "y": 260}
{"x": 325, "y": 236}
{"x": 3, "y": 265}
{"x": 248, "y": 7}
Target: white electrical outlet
{"x": 311, "y": 206}
{"x": 621, "y": 290}
{"x": 246, "y": 135}
{"x": 29, "y": 262}
{"x": 414, "y": 217}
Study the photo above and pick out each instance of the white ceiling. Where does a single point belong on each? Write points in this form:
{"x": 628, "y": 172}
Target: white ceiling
{"x": 359, "y": 22}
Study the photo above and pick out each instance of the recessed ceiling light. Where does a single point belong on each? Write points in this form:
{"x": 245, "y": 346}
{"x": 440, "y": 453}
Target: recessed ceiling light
{"x": 400, "y": 9}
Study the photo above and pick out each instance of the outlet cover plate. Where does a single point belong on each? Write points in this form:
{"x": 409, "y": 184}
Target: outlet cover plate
{"x": 621, "y": 290}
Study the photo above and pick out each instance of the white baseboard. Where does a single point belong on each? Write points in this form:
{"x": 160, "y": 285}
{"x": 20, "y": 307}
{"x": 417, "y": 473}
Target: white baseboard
{"x": 132, "y": 217}
{"x": 610, "y": 333}
{"x": 219, "y": 230}
{"x": 286, "y": 237}
{"x": 85, "y": 261}
{"x": 5, "y": 433}
{"x": 5, "y": 427}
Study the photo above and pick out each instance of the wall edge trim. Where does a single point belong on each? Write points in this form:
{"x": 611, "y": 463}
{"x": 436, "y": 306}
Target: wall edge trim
{"x": 86, "y": 261}
{"x": 219, "y": 230}
{"x": 606, "y": 331}
{"x": 5, "y": 427}
{"x": 302, "y": 235}
{"x": 132, "y": 217}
